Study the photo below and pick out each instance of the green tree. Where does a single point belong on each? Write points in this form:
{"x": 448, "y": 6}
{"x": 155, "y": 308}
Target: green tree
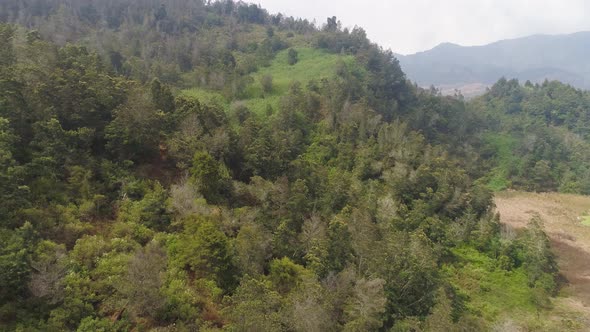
{"x": 143, "y": 281}
{"x": 7, "y": 55}
{"x": 292, "y": 56}
{"x": 151, "y": 210}
{"x": 365, "y": 309}
{"x": 339, "y": 245}
{"x": 78, "y": 105}
{"x": 537, "y": 257}
{"x": 13, "y": 195}
{"x": 134, "y": 133}
{"x": 299, "y": 203}
{"x": 14, "y": 267}
{"x": 255, "y": 306}
{"x": 162, "y": 97}
{"x": 266, "y": 83}
{"x": 204, "y": 251}
{"x": 542, "y": 176}
{"x": 286, "y": 275}
{"x": 252, "y": 249}
{"x": 49, "y": 270}
{"x": 210, "y": 177}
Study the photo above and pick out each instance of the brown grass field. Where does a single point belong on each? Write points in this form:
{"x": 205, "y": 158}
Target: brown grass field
{"x": 563, "y": 218}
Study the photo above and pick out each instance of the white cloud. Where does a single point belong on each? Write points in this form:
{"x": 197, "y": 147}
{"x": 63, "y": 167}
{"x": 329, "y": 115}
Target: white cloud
{"x": 408, "y": 26}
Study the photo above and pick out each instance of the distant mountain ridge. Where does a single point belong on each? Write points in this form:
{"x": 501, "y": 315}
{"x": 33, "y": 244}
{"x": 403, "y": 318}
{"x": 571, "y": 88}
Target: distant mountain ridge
{"x": 535, "y": 58}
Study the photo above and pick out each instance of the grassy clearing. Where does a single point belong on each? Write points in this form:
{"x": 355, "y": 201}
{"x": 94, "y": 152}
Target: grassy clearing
{"x": 313, "y": 64}
{"x": 500, "y": 296}
{"x": 585, "y": 220}
{"x": 492, "y": 292}
{"x": 209, "y": 97}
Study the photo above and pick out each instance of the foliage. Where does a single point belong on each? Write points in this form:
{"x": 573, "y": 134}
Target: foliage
{"x": 537, "y": 136}
{"x": 292, "y": 57}
{"x": 206, "y": 165}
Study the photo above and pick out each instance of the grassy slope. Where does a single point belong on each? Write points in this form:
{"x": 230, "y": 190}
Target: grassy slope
{"x": 492, "y": 292}
{"x": 209, "y": 97}
{"x": 313, "y": 64}
{"x": 502, "y": 298}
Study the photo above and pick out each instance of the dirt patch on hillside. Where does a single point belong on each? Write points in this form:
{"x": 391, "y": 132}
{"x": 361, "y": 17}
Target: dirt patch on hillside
{"x": 574, "y": 264}
{"x": 570, "y": 239}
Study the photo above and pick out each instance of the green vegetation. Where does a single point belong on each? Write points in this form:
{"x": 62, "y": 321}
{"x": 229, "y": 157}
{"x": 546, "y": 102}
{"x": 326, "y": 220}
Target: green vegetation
{"x": 146, "y": 184}
{"x": 505, "y": 160}
{"x": 492, "y": 291}
{"x": 536, "y": 136}
{"x": 498, "y": 295}
{"x": 512, "y": 283}
{"x": 312, "y": 65}
{"x": 207, "y": 97}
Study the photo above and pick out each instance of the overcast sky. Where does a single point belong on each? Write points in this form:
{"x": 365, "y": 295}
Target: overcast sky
{"x": 409, "y": 26}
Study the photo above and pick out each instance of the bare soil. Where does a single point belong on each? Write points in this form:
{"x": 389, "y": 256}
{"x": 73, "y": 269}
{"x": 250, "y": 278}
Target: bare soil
{"x": 562, "y": 216}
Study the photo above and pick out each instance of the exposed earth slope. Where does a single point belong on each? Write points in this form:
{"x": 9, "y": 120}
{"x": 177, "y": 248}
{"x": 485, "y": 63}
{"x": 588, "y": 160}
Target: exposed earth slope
{"x": 566, "y": 223}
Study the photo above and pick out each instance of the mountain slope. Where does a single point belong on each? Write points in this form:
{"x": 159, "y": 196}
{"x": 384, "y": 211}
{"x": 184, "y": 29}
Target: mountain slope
{"x": 534, "y": 58}
{"x": 208, "y": 166}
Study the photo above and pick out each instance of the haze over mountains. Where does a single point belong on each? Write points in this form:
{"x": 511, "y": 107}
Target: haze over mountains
{"x": 472, "y": 68}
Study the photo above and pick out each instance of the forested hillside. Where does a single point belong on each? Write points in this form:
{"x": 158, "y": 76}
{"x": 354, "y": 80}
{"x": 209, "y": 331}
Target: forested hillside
{"x": 537, "y": 136}
{"x": 182, "y": 165}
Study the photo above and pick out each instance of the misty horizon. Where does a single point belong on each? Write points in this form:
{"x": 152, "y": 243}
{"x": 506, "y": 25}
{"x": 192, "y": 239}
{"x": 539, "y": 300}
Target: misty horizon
{"x": 462, "y": 22}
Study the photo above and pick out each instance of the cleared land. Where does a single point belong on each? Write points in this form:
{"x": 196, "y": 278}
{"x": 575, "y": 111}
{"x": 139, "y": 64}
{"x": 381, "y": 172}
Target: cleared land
{"x": 566, "y": 222}
{"x": 312, "y": 64}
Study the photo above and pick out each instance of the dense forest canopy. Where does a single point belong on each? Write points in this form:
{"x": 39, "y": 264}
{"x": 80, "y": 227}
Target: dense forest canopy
{"x": 189, "y": 165}
{"x": 537, "y": 136}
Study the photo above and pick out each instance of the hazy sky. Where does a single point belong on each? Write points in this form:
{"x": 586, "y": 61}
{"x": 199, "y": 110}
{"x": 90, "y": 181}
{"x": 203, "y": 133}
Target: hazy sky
{"x": 409, "y": 26}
